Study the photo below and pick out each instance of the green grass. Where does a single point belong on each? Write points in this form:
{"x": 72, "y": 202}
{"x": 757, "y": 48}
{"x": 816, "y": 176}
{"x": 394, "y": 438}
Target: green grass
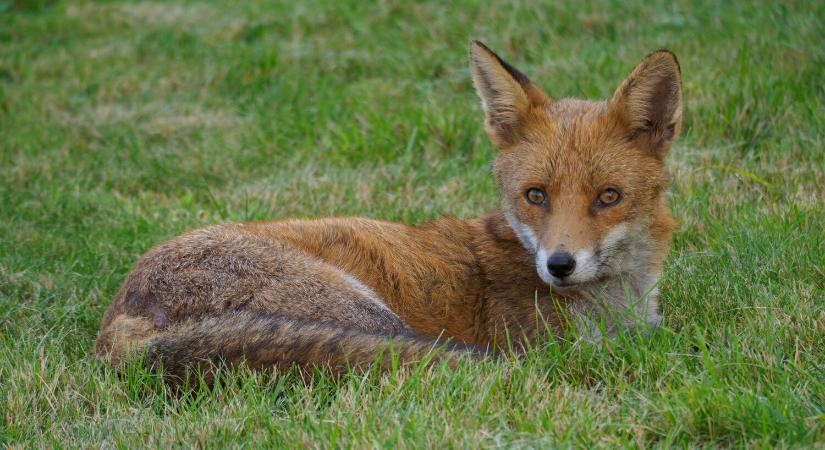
{"x": 124, "y": 124}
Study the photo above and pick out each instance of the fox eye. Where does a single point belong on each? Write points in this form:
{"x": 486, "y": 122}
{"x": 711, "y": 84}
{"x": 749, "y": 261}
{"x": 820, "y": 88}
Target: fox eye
{"x": 535, "y": 196}
{"x": 608, "y": 197}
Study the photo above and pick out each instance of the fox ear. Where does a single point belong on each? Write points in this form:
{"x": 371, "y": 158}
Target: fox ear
{"x": 506, "y": 94}
{"x": 649, "y": 102}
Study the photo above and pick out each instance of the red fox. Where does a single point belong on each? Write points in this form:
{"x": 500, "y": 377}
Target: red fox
{"x": 578, "y": 238}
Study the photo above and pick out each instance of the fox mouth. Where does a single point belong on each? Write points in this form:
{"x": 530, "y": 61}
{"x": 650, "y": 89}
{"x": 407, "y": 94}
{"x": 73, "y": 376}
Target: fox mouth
{"x": 566, "y": 287}
{"x": 569, "y": 285}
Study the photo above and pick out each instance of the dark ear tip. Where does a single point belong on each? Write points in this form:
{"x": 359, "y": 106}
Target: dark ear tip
{"x": 666, "y": 54}
{"x": 476, "y": 44}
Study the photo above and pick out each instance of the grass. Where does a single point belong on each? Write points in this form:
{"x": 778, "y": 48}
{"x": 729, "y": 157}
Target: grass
{"x": 123, "y": 124}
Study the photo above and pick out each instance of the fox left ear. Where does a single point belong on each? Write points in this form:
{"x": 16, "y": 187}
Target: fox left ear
{"x": 649, "y": 102}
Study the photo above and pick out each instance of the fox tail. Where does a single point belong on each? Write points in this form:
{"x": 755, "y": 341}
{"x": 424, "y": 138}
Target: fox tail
{"x": 265, "y": 341}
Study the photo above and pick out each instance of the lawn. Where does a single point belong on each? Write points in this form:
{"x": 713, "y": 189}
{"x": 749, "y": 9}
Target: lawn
{"x": 123, "y": 124}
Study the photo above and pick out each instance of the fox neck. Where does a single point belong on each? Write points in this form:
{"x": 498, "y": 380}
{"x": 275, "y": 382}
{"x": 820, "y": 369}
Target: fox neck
{"x": 625, "y": 297}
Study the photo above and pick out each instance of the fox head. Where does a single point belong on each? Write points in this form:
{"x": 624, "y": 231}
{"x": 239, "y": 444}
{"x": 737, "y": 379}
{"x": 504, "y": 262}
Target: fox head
{"x": 582, "y": 183}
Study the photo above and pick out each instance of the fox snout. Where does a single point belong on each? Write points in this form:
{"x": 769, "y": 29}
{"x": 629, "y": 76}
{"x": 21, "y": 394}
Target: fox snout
{"x": 562, "y": 267}
{"x": 561, "y": 264}
{"x": 565, "y": 265}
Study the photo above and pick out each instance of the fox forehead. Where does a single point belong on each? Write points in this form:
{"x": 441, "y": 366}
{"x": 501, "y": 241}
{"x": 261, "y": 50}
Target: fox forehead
{"x": 575, "y": 145}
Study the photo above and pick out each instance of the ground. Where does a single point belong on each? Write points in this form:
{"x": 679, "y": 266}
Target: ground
{"x": 123, "y": 124}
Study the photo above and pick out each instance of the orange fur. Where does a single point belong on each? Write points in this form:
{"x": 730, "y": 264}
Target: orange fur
{"x": 339, "y": 291}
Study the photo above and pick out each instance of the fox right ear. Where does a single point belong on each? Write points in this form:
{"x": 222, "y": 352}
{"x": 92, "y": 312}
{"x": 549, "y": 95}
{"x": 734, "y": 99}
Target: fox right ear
{"x": 649, "y": 102}
{"x": 507, "y": 96}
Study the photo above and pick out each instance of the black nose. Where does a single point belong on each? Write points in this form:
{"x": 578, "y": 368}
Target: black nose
{"x": 561, "y": 264}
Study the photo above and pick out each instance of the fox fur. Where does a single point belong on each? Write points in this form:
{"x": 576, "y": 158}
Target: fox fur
{"x": 582, "y": 182}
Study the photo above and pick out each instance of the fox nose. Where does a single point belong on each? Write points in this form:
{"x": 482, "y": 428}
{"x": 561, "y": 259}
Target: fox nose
{"x": 561, "y": 264}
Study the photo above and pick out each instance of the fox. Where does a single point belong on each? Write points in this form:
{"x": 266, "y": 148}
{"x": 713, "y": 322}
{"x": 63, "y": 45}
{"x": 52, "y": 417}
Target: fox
{"x": 577, "y": 241}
